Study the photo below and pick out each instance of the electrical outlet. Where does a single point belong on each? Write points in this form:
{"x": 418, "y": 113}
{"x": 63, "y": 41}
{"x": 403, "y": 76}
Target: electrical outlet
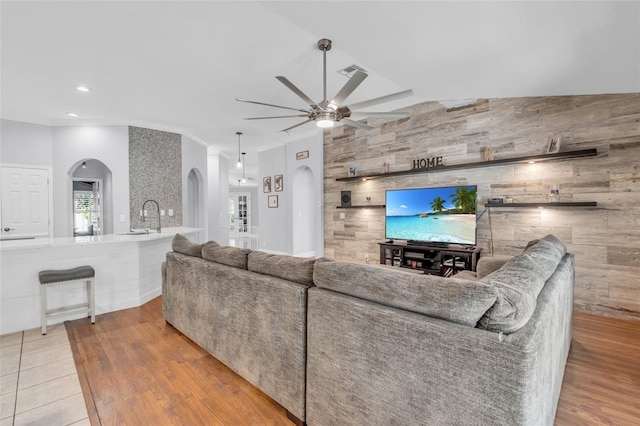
{"x": 161, "y": 212}
{"x": 170, "y": 212}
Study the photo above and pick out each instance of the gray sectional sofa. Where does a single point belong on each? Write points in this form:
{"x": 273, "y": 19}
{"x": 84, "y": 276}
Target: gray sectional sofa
{"x": 341, "y": 343}
{"x": 246, "y": 308}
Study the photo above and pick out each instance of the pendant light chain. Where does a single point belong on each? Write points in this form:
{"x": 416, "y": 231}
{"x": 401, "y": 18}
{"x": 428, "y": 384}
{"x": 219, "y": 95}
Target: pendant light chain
{"x": 239, "y": 163}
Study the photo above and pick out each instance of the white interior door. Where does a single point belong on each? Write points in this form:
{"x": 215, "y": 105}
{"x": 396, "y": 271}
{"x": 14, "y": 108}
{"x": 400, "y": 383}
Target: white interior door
{"x": 240, "y": 214}
{"x": 25, "y": 202}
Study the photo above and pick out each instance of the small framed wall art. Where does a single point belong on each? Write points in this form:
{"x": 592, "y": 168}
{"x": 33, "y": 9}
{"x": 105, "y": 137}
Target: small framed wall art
{"x": 554, "y": 145}
{"x": 272, "y": 201}
{"x": 266, "y": 184}
{"x": 277, "y": 183}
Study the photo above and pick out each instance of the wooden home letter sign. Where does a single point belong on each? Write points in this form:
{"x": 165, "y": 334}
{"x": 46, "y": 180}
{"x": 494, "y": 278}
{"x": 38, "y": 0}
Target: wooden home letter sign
{"x": 425, "y": 163}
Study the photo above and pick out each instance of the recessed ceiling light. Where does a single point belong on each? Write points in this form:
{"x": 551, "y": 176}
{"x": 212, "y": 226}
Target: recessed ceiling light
{"x": 72, "y": 114}
{"x": 82, "y": 89}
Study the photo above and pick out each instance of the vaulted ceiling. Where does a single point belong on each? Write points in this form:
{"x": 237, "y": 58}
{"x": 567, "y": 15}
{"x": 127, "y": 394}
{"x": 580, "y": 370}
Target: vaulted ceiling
{"x": 179, "y": 65}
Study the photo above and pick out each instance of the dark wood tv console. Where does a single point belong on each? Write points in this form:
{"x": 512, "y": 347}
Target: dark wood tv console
{"x": 430, "y": 259}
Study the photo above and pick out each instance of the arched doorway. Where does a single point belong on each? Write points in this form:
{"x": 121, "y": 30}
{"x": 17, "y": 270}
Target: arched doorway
{"x": 91, "y": 198}
{"x": 194, "y": 210}
{"x": 303, "y": 196}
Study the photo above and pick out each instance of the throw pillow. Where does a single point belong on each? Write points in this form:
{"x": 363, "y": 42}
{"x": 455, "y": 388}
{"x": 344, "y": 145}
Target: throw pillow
{"x": 181, "y": 244}
{"x": 519, "y": 282}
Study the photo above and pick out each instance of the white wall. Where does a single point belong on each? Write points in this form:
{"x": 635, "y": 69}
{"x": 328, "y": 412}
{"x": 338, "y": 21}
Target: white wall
{"x": 218, "y": 197}
{"x": 276, "y": 224}
{"x": 194, "y": 156}
{"x": 25, "y": 143}
{"x": 275, "y": 233}
{"x": 72, "y": 145}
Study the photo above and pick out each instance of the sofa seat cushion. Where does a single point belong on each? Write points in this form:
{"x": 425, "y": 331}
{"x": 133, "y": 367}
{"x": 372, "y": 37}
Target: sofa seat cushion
{"x": 519, "y": 282}
{"x": 457, "y": 300}
{"x": 291, "y": 268}
{"x": 227, "y": 255}
{"x": 181, "y": 244}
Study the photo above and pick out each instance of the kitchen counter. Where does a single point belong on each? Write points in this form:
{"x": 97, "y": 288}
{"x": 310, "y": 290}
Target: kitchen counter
{"x": 128, "y": 272}
{"x": 139, "y": 236}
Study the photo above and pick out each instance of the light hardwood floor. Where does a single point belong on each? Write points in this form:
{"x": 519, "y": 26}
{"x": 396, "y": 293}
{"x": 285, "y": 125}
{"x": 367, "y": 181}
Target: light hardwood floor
{"x": 136, "y": 369}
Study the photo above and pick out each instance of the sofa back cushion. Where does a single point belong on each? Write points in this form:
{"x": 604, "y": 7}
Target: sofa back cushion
{"x": 519, "y": 282}
{"x": 227, "y": 255}
{"x": 456, "y": 300}
{"x": 296, "y": 269}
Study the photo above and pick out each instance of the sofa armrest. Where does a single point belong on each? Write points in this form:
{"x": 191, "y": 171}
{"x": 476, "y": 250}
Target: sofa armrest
{"x": 487, "y": 265}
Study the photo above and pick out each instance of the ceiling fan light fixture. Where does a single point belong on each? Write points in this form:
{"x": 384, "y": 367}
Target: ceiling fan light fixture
{"x": 327, "y": 113}
{"x": 325, "y": 123}
{"x": 326, "y": 119}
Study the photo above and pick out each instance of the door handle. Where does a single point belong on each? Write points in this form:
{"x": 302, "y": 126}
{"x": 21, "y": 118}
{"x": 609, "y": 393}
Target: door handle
{"x": 7, "y": 229}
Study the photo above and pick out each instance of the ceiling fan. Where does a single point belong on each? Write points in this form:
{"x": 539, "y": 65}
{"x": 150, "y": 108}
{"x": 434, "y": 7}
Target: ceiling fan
{"x": 328, "y": 112}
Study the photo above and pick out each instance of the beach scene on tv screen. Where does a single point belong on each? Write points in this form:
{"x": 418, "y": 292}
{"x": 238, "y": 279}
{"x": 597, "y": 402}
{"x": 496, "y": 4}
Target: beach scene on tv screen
{"x": 446, "y": 214}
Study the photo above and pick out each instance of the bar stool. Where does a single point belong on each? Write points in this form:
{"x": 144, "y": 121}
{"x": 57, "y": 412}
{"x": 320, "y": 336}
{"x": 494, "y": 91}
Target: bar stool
{"x": 54, "y": 277}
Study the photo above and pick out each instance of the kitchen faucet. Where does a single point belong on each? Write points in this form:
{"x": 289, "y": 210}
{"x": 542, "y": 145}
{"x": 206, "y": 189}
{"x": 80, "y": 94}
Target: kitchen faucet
{"x": 157, "y": 207}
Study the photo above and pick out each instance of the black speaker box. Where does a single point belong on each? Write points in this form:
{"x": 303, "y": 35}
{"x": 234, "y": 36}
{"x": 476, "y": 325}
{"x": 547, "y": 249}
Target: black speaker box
{"x": 345, "y": 198}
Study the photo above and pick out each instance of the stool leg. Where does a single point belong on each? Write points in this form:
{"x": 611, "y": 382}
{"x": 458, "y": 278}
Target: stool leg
{"x": 43, "y": 308}
{"x": 92, "y": 299}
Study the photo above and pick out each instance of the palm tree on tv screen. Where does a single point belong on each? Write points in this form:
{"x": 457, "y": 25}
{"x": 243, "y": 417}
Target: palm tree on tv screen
{"x": 464, "y": 199}
{"x": 437, "y": 204}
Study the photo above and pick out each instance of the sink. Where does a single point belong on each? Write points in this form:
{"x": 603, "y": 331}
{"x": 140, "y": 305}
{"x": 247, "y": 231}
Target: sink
{"x": 135, "y": 233}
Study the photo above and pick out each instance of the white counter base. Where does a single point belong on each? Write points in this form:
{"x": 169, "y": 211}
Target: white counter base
{"x": 127, "y": 273}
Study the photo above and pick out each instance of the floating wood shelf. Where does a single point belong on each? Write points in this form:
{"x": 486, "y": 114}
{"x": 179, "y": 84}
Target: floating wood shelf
{"x": 368, "y": 206}
{"x": 557, "y": 204}
{"x": 592, "y": 152}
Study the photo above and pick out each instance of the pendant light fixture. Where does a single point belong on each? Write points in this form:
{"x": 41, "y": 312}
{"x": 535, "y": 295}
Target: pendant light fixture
{"x": 239, "y": 163}
{"x": 244, "y": 179}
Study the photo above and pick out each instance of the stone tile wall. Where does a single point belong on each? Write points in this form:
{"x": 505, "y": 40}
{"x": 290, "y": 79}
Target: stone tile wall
{"x": 605, "y": 240}
{"x": 155, "y": 172}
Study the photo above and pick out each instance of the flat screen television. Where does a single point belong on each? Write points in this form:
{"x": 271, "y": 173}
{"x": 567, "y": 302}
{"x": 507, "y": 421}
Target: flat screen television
{"x": 443, "y": 215}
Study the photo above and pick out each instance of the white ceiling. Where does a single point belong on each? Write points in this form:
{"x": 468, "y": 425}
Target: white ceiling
{"x": 179, "y": 65}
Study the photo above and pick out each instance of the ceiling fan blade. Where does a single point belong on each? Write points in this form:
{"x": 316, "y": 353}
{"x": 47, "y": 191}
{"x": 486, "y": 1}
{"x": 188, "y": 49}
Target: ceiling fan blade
{"x": 348, "y": 88}
{"x": 381, "y": 100}
{"x": 297, "y": 91}
{"x": 276, "y": 116}
{"x": 293, "y": 127}
{"x": 356, "y": 124}
{"x": 380, "y": 114}
{"x": 271, "y": 105}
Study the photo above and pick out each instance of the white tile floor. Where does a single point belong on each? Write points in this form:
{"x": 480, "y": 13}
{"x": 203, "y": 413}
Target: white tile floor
{"x": 38, "y": 380}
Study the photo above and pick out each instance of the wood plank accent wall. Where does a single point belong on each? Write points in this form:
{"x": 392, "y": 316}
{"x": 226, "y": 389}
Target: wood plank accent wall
{"x": 605, "y": 240}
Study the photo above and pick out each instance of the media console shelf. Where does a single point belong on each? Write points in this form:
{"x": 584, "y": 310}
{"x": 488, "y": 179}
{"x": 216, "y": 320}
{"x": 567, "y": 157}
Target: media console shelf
{"x": 525, "y": 159}
{"x": 430, "y": 259}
